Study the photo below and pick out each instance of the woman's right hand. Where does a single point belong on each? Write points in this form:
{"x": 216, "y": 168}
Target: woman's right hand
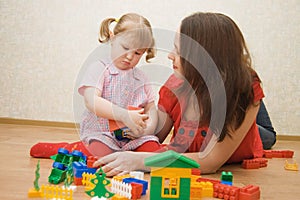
{"x": 135, "y": 121}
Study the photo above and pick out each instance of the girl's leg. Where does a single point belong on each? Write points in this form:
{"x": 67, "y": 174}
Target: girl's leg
{"x": 45, "y": 150}
{"x": 99, "y": 149}
{"x": 149, "y": 146}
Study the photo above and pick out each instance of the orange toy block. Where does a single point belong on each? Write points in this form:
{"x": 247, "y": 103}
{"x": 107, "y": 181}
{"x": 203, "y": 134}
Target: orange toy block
{"x": 223, "y": 191}
{"x": 115, "y": 125}
{"x": 90, "y": 161}
{"x": 250, "y": 192}
{"x": 254, "y": 163}
{"x": 278, "y": 153}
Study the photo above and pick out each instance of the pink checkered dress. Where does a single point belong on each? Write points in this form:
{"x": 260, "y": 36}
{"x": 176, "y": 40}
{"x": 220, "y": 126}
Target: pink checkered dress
{"x": 121, "y": 87}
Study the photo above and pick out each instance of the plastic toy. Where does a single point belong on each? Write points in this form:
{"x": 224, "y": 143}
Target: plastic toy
{"x": 35, "y": 192}
{"x": 79, "y": 168}
{"x": 226, "y": 178}
{"x": 222, "y": 191}
{"x": 291, "y": 166}
{"x": 119, "y": 129}
{"x": 254, "y": 163}
{"x": 51, "y": 191}
{"x": 99, "y": 183}
{"x": 170, "y": 175}
{"x": 61, "y": 162}
{"x": 249, "y": 192}
{"x": 120, "y": 188}
{"x": 278, "y": 153}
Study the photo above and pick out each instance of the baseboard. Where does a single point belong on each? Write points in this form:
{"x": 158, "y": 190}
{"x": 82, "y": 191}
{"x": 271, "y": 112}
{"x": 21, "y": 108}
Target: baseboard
{"x": 37, "y": 122}
{"x": 288, "y": 137}
{"x": 4, "y": 120}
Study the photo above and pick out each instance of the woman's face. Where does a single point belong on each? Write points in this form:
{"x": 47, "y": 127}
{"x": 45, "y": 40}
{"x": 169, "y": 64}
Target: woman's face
{"x": 174, "y": 55}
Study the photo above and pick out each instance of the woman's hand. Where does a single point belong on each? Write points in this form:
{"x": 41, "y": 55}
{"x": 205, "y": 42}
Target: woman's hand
{"x": 120, "y": 163}
{"x": 135, "y": 121}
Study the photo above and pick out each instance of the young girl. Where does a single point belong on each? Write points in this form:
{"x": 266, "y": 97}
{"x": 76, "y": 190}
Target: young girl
{"x": 109, "y": 87}
{"x": 213, "y": 123}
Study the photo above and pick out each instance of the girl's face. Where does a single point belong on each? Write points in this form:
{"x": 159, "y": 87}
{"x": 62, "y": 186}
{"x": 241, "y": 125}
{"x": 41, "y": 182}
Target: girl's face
{"x": 124, "y": 55}
{"x": 174, "y": 56}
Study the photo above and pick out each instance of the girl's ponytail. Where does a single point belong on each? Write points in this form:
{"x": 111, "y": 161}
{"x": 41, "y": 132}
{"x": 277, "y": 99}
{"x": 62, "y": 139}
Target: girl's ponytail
{"x": 105, "y": 33}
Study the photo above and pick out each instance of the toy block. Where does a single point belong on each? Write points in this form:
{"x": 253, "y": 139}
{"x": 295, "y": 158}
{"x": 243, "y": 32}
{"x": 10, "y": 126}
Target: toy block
{"x": 137, "y": 175}
{"x": 90, "y": 161}
{"x": 80, "y": 167}
{"x": 213, "y": 181}
{"x": 278, "y": 153}
{"x": 222, "y": 191}
{"x": 134, "y": 180}
{"x": 120, "y": 178}
{"x": 33, "y": 193}
{"x": 226, "y": 177}
{"x": 119, "y": 197}
{"x": 136, "y": 190}
{"x": 291, "y": 166}
{"x": 249, "y": 192}
{"x": 196, "y": 171}
{"x": 254, "y": 163}
{"x": 77, "y": 180}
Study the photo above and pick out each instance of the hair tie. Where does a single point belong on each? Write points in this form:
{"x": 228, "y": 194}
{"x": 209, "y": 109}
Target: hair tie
{"x": 117, "y": 20}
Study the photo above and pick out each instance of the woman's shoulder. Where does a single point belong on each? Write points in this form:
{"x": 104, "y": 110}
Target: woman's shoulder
{"x": 173, "y": 82}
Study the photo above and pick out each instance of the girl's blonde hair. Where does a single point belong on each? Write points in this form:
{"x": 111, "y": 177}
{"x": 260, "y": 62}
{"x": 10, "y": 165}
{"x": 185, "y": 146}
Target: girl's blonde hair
{"x": 138, "y": 27}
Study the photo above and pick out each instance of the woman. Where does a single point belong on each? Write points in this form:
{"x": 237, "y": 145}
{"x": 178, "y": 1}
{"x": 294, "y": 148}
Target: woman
{"x": 211, "y": 101}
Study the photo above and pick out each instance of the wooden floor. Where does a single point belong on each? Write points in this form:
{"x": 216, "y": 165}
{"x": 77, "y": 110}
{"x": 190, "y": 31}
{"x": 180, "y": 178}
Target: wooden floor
{"x": 17, "y": 167}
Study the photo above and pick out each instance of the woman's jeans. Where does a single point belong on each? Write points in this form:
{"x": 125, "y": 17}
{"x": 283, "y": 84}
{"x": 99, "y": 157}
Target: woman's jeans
{"x": 266, "y": 130}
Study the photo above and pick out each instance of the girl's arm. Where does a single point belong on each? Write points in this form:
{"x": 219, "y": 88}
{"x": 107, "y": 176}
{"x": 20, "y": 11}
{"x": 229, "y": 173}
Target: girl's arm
{"x": 133, "y": 119}
{"x": 222, "y": 151}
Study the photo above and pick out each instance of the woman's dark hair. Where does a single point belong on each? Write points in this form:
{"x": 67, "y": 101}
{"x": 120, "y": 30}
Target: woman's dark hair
{"x": 222, "y": 40}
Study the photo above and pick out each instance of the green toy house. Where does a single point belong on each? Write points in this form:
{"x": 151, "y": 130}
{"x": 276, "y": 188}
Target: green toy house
{"x": 170, "y": 176}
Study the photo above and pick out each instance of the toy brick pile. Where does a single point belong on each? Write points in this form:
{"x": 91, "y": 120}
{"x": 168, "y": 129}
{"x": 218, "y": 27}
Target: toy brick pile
{"x": 173, "y": 176}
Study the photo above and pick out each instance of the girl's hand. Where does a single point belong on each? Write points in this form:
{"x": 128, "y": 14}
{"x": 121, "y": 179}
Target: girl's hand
{"x": 120, "y": 163}
{"x": 135, "y": 121}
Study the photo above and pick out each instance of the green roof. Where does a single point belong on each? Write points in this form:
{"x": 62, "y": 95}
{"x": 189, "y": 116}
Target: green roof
{"x": 170, "y": 159}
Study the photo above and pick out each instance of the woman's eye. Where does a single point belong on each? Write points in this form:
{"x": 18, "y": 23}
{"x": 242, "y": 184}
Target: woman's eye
{"x": 138, "y": 53}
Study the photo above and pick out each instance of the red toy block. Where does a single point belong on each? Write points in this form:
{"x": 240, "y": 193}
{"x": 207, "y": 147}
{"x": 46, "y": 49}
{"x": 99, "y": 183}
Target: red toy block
{"x": 136, "y": 191}
{"x": 249, "y": 192}
{"x": 226, "y": 192}
{"x": 90, "y": 161}
{"x": 254, "y": 163}
{"x": 278, "y": 153}
{"x": 196, "y": 171}
{"x": 77, "y": 181}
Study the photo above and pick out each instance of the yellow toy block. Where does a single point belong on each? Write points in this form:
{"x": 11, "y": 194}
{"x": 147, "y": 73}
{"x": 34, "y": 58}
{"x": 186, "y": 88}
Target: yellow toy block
{"x": 291, "y": 166}
{"x": 118, "y": 197}
{"x": 207, "y": 189}
{"x": 33, "y": 193}
{"x": 120, "y": 178}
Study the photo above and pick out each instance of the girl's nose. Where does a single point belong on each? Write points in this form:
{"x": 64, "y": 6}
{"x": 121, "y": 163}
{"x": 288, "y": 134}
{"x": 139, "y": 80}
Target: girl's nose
{"x": 129, "y": 55}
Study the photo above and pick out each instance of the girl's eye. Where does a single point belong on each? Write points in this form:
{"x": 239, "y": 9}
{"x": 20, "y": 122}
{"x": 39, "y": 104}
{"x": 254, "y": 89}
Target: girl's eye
{"x": 125, "y": 48}
{"x": 138, "y": 53}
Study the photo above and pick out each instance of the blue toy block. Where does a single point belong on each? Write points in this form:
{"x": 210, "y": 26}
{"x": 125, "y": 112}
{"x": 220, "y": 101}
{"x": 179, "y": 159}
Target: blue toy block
{"x": 80, "y": 167}
{"x": 226, "y": 183}
{"x": 134, "y": 180}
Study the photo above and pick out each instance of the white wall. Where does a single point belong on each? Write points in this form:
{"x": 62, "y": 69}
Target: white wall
{"x": 44, "y": 44}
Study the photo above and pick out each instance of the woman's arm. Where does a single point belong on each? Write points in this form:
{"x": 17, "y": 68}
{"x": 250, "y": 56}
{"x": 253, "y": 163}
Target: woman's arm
{"x": 150, "y": 110}
{"x": 164, "y": 125}
{"x": 222, "y": 151}
{"x": 133, "y": 119}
